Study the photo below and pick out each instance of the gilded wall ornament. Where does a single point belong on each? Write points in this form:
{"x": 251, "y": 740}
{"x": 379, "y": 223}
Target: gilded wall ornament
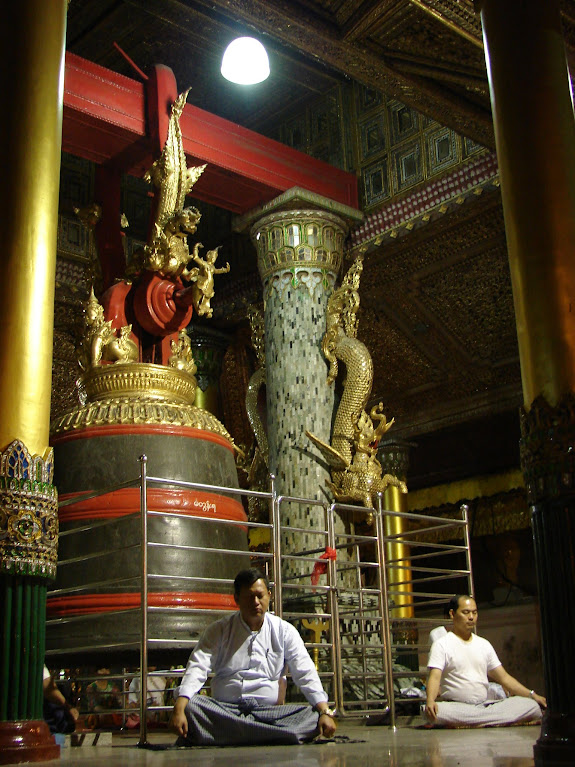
{"x": 28, "y": 512}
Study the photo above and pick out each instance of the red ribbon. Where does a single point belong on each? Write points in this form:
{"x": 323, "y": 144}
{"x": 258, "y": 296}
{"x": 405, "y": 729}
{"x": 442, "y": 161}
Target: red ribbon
{"x": 321, "y": 567}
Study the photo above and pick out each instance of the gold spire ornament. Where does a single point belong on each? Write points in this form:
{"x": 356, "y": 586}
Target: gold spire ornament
{"x": 167, "y": 252}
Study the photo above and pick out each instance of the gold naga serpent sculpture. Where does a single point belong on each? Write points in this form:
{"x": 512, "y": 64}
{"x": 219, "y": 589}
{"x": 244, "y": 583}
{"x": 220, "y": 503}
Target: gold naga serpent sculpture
{"x": 356, "y": 474}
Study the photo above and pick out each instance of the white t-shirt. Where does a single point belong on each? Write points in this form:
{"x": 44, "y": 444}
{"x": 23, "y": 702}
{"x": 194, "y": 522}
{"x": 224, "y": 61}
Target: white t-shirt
{"x": 464, "y": 667}
{"x": 156, "y": 686}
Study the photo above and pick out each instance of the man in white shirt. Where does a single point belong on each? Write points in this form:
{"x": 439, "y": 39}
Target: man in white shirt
{"x": 460, "y": 666}
{"x": 247, "y": 653}
{"x": 155, "y": 688}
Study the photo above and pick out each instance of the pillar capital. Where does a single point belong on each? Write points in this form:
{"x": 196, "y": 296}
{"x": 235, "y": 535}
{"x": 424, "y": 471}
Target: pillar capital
{"x": 299, "y": 237}
{"x": 393, "y": 455}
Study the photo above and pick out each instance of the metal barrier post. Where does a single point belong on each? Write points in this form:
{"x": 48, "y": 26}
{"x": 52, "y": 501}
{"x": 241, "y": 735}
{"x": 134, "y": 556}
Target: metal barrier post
{"x": 384, "y": 609}
{"x": 334, "y": 611}
{"x": 465, "y": 516}
{"x": 143, "y": 603}
{"x": 276, "y": 549}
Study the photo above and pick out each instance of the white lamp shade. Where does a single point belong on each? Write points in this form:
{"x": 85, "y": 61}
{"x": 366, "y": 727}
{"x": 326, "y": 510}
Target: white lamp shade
{"x": 245, "y": 62}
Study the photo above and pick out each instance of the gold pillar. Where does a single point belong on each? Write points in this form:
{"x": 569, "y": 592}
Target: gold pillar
{"x": 32, "y": 80}
{"x": 535, "y": 140}
{"x": 394, "y": 459}
{"x": 395, "y": 500}
{"x": 32, "y": 38}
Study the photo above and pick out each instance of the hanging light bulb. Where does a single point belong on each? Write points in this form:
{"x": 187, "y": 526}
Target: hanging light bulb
{"x": 245, "y": 61}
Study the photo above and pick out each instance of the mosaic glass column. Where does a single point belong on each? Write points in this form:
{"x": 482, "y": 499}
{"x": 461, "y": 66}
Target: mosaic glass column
{"x": 299, "y": 239}
{"x": 32, "y": 40}
{"x": 535, "y": 138}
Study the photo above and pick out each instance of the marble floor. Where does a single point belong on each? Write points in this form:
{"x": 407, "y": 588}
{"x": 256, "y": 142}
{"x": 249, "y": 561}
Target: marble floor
{"x": 377, "y": 746}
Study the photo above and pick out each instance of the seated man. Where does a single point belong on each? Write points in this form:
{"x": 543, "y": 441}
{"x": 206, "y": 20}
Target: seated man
{"x": 155, "y": 697}
{"x": 247, "y": 652}
{"x": 460, "y": 663}
{"x": 58, "y": 713}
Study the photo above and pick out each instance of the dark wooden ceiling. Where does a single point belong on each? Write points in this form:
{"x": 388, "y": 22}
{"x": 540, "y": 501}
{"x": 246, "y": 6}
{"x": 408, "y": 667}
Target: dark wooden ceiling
{"x": 436, "y": 307}
{"x": 426, "y": 53}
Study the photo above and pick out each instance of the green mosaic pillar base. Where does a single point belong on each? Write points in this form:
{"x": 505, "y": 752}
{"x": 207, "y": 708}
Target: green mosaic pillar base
{"x": 28, "y": 552}
{"x": 22, "y": 638}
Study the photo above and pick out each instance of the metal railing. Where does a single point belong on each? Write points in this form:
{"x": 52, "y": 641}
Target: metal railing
{"x": 369, "y": 611}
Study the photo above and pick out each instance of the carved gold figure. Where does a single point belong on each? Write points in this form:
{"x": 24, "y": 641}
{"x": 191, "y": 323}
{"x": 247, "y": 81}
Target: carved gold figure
{"x": 182, "y": 357}
{"x": 356, "y": 473}
{"x": 202, "y": 277}
{"x": 100, "y": 342}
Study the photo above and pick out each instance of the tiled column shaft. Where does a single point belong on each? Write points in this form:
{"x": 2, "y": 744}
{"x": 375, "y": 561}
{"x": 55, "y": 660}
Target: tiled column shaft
{"x": 299, "y": 256}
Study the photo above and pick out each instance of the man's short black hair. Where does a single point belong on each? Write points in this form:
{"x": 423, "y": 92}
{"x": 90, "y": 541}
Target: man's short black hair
{"x": 453, "y": 603}
{"x": 248, "y": 578}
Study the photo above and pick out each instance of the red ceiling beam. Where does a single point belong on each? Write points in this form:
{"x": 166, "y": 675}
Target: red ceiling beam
{"x": 105, "y": 122}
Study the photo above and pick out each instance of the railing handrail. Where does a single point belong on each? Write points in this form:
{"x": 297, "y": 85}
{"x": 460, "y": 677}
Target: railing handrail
{"x": 338, "y": 604}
